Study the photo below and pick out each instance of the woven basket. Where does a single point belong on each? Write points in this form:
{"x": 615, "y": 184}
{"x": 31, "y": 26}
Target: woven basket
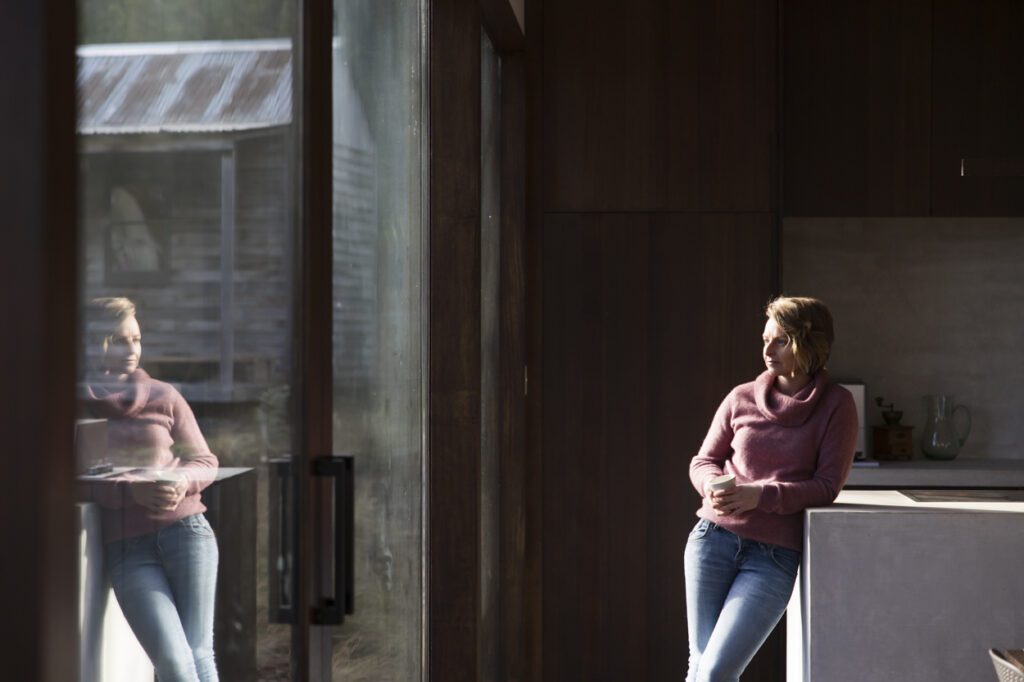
{"x": 1006, "y": 671}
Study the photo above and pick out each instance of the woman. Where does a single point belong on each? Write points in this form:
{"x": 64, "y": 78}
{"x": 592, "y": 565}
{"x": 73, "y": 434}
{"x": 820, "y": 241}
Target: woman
{"x": 788, "y": 437}
{"x": 160, "y": 552}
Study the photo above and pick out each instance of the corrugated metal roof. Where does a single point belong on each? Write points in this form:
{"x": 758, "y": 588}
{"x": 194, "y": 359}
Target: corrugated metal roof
{"x": 184, "y": 87}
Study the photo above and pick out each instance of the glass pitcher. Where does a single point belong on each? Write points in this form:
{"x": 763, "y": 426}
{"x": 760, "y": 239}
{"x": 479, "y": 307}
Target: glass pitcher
{"x": 940, "y": 439}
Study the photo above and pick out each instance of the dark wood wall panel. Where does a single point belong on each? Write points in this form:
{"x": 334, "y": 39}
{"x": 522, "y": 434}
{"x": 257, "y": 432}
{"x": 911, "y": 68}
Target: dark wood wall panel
{"x": 604, "y": 105}
{"x": 595, "y": 445}
{"x": 659, "y": 105}
{"x": 648, "y": 322}
{"x": 710, "y": 278}
{"x": 857, "y": 108}
{"x": 977, "y": 105}
{"x": 722, "y": 105}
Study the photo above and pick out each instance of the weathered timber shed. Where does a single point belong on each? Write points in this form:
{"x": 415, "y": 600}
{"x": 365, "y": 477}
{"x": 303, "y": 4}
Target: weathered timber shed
{"x": 188, "y": 173}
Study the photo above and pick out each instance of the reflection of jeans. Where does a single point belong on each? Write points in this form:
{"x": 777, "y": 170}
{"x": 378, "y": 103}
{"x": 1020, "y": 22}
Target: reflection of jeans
{"x": 165, "y": 583}
{"x": 736, "y": 592}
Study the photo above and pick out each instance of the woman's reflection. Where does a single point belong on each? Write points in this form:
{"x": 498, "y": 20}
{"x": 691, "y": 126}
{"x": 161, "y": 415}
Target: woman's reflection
{"x": 161, "y": 553}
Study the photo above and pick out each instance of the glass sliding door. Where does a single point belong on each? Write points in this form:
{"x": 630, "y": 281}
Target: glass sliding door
{"x": 189, "y": 443}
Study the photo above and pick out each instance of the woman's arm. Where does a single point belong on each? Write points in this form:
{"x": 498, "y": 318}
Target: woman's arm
{"x": 716, "y": 449}
{"x": 835, "y": 458}
{"x": 193, "y": 454}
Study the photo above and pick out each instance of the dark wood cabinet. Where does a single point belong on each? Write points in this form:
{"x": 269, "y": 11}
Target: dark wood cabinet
{"x": 659, "y": 105}
{"x": 978, "y": 100}
{"x": 856, "y": 107}
{"x": 902, "y": 109}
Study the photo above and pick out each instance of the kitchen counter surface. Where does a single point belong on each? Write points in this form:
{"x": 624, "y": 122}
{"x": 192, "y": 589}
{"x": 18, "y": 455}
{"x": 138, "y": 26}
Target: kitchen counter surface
{"x": 923, "y": 473}
{"x": 893, "y": 501}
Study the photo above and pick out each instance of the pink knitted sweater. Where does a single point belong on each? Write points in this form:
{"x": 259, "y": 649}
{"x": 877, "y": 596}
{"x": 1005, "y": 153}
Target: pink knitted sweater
{"x": 150, "y": 426}
{"x": 800, "y": 448}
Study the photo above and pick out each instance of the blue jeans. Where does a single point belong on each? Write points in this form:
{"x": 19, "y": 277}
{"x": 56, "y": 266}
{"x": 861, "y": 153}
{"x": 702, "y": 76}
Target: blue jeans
{"x": 736, "y": 592}
{"x": 165, "y": 583}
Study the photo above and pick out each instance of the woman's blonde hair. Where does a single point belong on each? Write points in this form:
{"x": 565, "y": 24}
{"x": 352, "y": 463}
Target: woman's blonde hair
{"x": 808, "y": 324}
{"x": 106, "y": 313}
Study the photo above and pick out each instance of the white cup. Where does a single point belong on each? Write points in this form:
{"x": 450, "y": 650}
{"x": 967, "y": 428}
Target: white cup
{"x": 723, "y": 482}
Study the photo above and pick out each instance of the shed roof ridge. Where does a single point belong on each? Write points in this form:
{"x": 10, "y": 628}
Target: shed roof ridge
{"x": 183, "y": 47}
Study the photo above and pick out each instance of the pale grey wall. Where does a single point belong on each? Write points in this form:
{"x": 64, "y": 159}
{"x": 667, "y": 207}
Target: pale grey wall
{"x": 923, "y": 305}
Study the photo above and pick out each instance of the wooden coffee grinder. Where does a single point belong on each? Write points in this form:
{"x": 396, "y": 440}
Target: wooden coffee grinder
{"x": 892, "y": 441}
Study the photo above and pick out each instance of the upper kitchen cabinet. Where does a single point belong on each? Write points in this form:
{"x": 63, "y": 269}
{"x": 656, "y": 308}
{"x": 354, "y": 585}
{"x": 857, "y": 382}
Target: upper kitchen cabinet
{"x": 856, "y": 107}
{"x": 978, "y": 129}
{"x": 659, "y": 105}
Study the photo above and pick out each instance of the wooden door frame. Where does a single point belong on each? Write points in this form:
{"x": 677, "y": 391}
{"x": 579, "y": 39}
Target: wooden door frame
{"x": 452, "y": 509}
{"x": 453, "y": 496}
{"x": 514, "y": 523}
{"x": 509, "y": 42}
{"x": 313, "y": 305}
{"x": 533, "y": 604}
{"x": 38, "y": 267}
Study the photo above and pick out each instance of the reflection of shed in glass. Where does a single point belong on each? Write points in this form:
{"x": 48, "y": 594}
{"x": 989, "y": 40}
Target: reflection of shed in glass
{"x": 187, "y": 196}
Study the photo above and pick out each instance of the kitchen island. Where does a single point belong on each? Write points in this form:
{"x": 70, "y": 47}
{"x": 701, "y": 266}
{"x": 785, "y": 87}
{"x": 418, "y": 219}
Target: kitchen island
{"x": 893, "y": 588}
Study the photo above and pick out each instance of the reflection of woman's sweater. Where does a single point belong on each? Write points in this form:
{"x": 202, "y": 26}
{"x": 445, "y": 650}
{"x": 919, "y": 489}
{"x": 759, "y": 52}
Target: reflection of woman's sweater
{"x": 150, "y": 426}
{"x": 799, "y": 447}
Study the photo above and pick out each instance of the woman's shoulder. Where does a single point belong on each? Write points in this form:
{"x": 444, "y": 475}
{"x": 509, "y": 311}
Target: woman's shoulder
{"x": 838, "y": 398}
{"x": 161, "y": 391}
{"x": 741, "y": 393}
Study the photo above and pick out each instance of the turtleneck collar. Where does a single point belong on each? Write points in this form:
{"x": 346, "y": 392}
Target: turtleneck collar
{"x": 784, "y": 409}
{"x": 119, "y": 399}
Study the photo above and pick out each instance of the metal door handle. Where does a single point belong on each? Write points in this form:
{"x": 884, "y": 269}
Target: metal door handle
{"x": 332, "y": 610}
{"x": 281, "y": 549}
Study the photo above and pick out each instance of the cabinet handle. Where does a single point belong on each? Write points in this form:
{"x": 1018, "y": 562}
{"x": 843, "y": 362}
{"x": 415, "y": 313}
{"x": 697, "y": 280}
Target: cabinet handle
{"x": 992, "y": 168}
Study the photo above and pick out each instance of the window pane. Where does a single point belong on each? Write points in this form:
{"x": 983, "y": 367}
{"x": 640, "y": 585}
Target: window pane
{"x": 377, "y": 337}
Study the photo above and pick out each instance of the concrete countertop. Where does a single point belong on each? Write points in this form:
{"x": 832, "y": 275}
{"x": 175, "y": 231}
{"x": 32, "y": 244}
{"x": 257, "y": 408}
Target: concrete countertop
{"x": 895, "y": 589}
{"x": 876, "y": 501}
{"x": 222, "y": 473}
{"x": 958, "y": 473}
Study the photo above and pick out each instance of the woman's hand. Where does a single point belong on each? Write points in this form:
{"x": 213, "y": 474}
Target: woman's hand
{"x": 159, "y": 496}
{"x": 742, "y": 498}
